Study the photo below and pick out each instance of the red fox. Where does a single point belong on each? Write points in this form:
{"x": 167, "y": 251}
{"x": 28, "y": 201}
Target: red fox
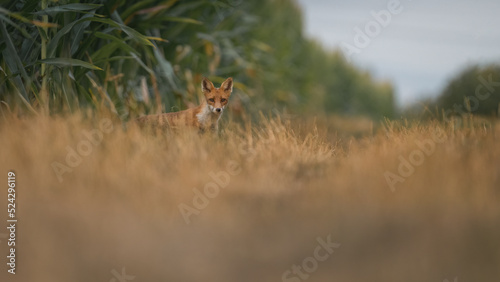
{"x": 204, "y": 117}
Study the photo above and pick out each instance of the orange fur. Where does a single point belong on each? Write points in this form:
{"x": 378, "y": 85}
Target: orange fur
{"x": 204, "y": 117}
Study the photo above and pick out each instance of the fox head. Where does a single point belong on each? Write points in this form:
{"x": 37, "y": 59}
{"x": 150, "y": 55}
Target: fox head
{"x": 217, "y": 98}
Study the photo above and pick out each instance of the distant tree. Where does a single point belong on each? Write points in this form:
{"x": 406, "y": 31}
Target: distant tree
{"x": 475, "y": 90}
{"x": 297, "y": 72}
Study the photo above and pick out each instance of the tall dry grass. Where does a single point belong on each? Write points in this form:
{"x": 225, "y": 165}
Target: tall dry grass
{"x": 291, "y": 182}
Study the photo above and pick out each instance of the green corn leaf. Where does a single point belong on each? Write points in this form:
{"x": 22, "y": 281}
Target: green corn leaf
{"x": 166, "y": 67}
{"x": 16, "y": 26}
{"x": 52, "y": 46}
{"x": 142, "y": 63}
{"x": 115, "y": 58}
{"x": 29, "y": 49}
{"x": 69, "y": 62}
{"x": 136, "y": 35}
{"x": 75, "y": 7}
{"x": 79, "y": 32}
{"x": 11, "y": 55}
{"x": 103, "y": 53}
{"x": 136, "y": 7}
{"x": 179, "y": 20}
{"x": 25, "y": 102}
{"x": 14, "y": 15}
{"x": 116, "y": 40}
{"x": 129, "y": 31}
{"x": 185, "y": 6}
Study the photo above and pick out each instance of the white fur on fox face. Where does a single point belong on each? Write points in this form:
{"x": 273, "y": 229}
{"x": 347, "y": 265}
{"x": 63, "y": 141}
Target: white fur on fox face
{"x": 214, "y": 109}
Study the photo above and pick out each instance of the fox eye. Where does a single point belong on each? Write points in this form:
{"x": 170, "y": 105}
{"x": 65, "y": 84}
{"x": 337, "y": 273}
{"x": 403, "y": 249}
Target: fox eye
{"x": 223, "y": 100}
{"x": 212, "y": 100}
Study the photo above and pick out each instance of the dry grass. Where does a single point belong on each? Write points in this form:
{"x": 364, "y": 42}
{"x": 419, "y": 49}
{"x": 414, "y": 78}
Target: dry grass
{"x": 293, "y": 182}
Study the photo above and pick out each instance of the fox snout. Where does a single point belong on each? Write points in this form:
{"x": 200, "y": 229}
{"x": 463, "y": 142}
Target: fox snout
{"x": 216, "y": 109}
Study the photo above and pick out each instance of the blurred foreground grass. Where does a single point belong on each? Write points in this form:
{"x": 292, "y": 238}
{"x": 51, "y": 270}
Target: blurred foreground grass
{"x": 292, "y": 181}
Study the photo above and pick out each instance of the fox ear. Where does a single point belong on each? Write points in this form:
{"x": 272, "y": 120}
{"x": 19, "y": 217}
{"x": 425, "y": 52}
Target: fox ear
{"x": 227, "y": 85}
{"x": 207, "y": 85}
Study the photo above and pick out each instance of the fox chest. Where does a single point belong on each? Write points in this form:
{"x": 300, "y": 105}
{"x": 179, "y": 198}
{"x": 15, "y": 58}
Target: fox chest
{"x": 208, "y": 120}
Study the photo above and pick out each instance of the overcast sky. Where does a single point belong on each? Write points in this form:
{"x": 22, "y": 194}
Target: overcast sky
{"x": 422, "y": 46}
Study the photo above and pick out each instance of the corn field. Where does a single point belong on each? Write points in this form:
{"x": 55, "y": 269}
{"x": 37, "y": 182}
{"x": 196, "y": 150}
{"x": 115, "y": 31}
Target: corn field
{"x": 150, "y": 56}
